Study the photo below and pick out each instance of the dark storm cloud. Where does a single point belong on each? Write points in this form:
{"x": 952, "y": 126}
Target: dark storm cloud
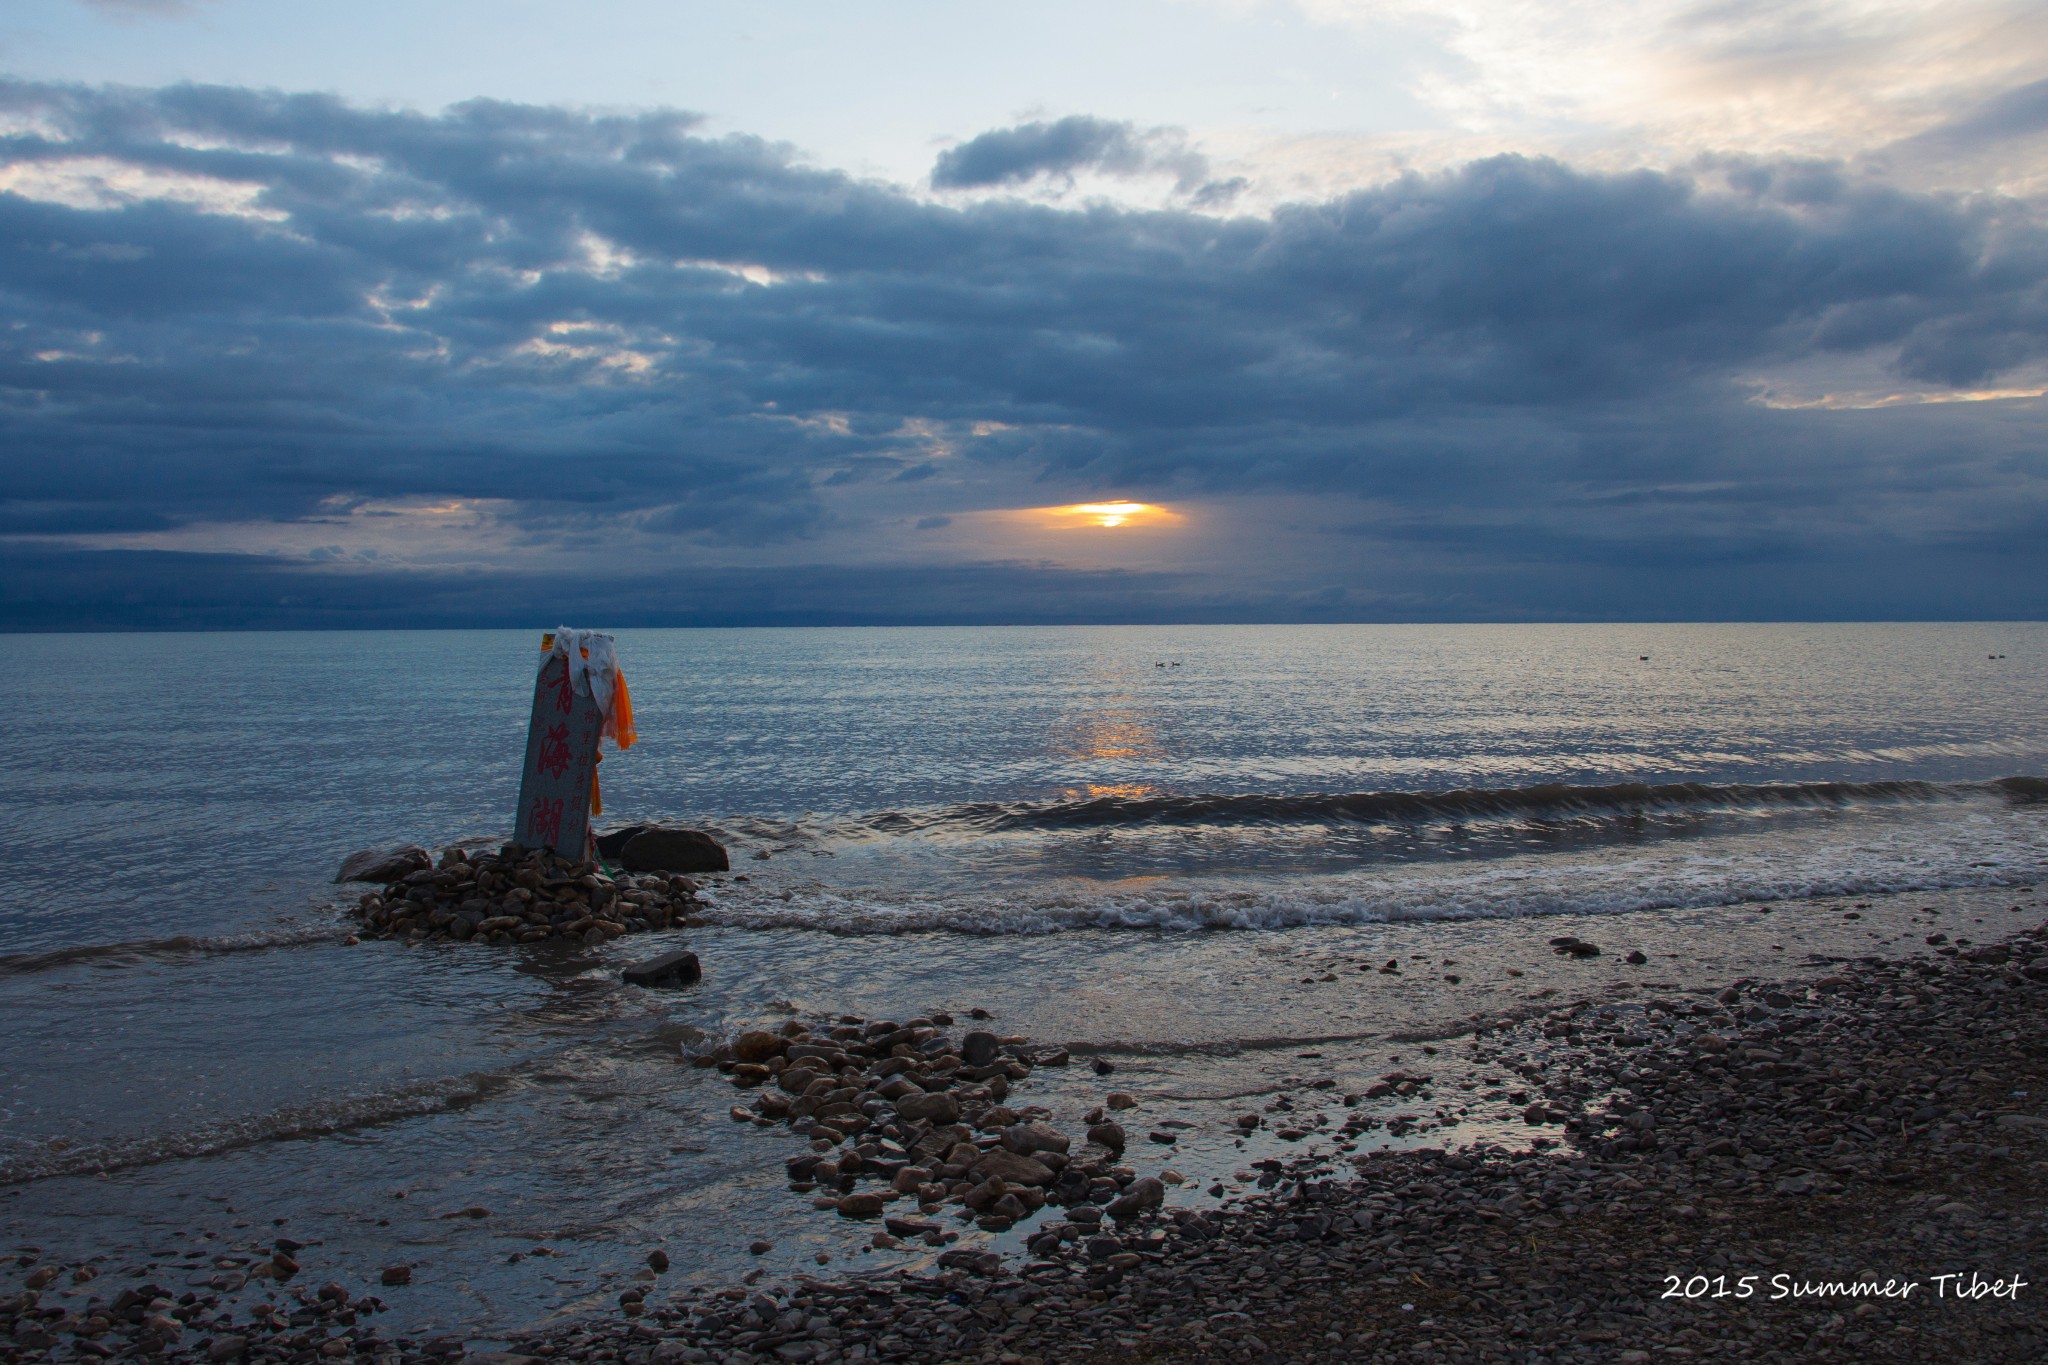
{"x": 611, "y": 320}
{"x": 1012, "y": 156}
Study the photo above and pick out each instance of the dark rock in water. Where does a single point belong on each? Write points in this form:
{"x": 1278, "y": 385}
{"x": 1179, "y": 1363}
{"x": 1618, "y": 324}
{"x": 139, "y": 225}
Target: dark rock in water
{"x": 1139, "y": 1197}
{"x": 670, "y": 969}
{"x": 978, "y": 1048}
{"x": 384, "y": 864}
{"x": 613, "y": 844}
{"x": 1637, "y": 958}
{"x": 673, "y": 850}
{"x": 1100, "y": 1067}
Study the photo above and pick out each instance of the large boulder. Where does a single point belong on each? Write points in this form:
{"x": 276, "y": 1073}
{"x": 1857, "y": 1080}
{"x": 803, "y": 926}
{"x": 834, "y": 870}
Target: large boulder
{"x": 383, "y": 864}
{"x": 613, "y": 844}
{"x": 673, "y": 850}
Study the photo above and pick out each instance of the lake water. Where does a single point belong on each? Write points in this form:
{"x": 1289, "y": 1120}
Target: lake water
{"x": 1131, "y": 840}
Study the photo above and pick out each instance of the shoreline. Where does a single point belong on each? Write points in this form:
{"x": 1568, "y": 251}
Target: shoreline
{"x": 1878, "y": 1125}
{"x": 1459, "y": 1253}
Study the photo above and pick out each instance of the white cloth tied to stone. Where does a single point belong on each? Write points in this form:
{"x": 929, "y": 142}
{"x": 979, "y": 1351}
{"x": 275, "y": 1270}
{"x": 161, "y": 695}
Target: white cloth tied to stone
{"x": 595, "y": 675}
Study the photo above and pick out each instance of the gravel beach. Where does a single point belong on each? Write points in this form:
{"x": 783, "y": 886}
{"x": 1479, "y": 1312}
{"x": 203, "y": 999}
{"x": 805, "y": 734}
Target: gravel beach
{"x": 1837, "y": 1166}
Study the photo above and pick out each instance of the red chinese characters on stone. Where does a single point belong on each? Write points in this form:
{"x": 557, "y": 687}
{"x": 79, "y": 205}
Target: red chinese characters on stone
{"x": 544, "y": 820}
{"x": 554, "y": 751}
{"x": 565, "y": 698}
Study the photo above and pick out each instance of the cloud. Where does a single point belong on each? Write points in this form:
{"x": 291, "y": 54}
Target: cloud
{"x": 1013, "y": 156}
{"x": 314, "y": 347}
{"x": 1672, "y": 78}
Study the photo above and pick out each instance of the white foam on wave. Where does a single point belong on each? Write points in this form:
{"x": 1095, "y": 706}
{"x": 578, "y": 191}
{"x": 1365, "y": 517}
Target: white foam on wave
{"x": 1982, "y": 850}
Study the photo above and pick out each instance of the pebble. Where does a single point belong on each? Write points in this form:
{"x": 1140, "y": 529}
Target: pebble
{"x": 1805, "y": 1142}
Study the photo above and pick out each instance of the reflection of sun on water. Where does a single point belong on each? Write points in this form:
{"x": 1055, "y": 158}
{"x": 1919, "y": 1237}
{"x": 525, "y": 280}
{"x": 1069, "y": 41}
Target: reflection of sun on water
{"x": 1113, "y": 738}
{"x": 1117, "y": 791}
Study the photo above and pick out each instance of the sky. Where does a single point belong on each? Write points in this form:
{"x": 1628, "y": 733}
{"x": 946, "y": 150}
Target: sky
{"x": 640, "y": 312}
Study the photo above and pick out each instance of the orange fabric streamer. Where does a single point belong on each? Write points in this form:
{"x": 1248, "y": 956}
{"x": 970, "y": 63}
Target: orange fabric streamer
{"x": 618, "y": 721}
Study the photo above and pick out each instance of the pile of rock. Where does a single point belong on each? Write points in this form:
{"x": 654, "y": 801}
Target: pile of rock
{"x": 513, "y": 895}
{"x": 927, "y": 1119}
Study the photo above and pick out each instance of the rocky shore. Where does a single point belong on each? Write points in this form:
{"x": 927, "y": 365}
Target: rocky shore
{"x": 1842, "y": 1166}
{"x": 1756, "y": 1175}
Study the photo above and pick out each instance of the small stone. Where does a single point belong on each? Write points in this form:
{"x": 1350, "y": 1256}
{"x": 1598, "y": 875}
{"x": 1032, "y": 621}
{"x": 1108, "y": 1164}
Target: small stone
{"x": 227, "y": 1348}
{"x": 1140, "y": 1196}
{"x": 1110, "y": 1135}
{"x": 941, "y": 1107}
{"x": 760, "y": 1248}
{"x": 861, "y": 1206}
{"x": 1636, "y": 957}
{"x": 397, "y": 1275}
{"x": 1001, "y": 1164}
{"x": 1122, "y": 1100}
{"x": 979, "y": 1048}
{"x": 657, "y": 1261}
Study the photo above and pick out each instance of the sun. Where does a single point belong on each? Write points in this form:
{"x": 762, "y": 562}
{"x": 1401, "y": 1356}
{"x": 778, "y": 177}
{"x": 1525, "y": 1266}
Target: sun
{"x": 1112, "y": 513}
{"x": 1104, "y": 515}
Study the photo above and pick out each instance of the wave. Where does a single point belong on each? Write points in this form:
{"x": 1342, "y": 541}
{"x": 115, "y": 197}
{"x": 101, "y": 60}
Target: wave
{"x": 1955, "y": 855}
{"x": 1459, "y": 804}
{"x": 318, "y": 1119}
{"x": 108, "y": 954}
